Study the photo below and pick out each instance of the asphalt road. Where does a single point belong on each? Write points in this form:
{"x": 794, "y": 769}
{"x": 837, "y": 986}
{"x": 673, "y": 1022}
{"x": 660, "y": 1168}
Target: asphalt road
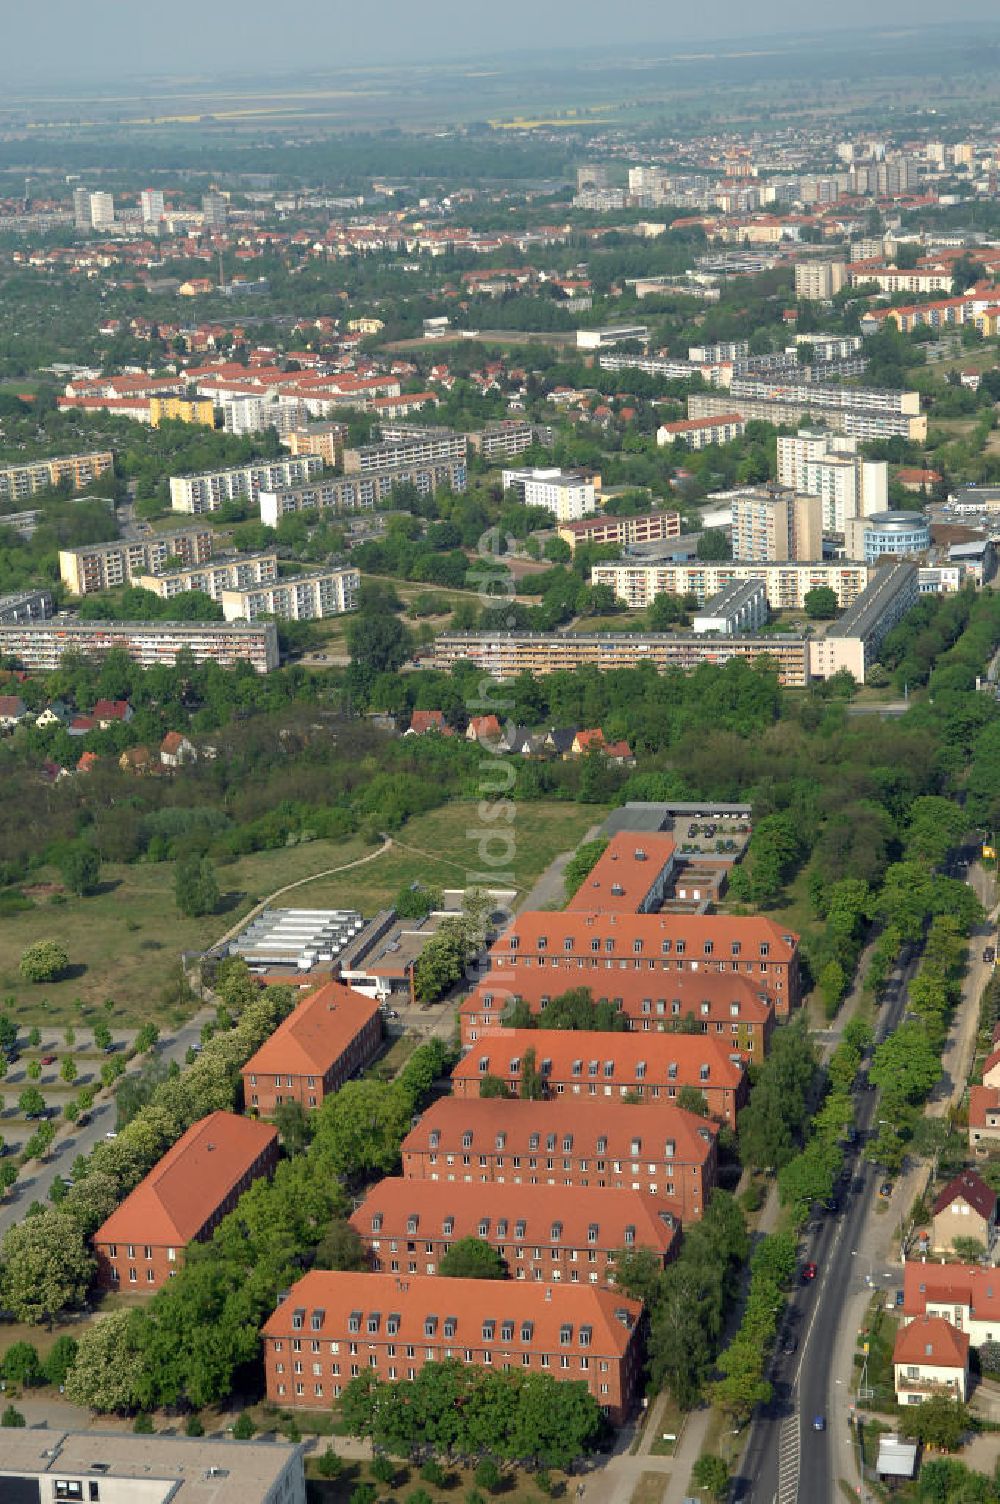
{"x": 786, "y": 1458}
{"x": 34, "y": 1185}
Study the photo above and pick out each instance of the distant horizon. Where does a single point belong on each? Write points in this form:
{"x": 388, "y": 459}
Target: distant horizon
{"x": 98, "y": 45}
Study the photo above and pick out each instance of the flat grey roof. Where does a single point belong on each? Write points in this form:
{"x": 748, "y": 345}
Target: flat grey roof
{"x": 860, "y": 618}
{"x": 244, "y": 1471}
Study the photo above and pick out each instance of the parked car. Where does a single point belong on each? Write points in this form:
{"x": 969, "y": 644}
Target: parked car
{"x": 48, "y": 1059}
{"x": 809, "y": 1272}
{"x": 885, "y": 1189}
{"x": 789, "y": 1344}
{"x": 819, "y": 1422}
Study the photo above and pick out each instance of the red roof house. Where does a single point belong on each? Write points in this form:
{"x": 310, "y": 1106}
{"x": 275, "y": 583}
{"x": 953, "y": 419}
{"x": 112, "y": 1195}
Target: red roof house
{"x": 183, "y": 1199}
{"x": 332, "y": 1033}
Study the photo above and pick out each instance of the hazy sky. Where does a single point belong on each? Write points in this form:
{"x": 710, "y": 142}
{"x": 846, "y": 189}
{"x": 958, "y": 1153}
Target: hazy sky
{"x": 104, "y": 38}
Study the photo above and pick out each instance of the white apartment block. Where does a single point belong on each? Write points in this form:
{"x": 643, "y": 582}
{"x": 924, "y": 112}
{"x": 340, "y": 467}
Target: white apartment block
{"x": 40, "y": 646}
{"x": 819, "y": 281}
{"x": 352, "y": 493}
{"x": 413, "y": 448}
{"x": 208, "y": 491}
{"x": 703, "y": 428}
{"x": 327, "y": 592}
{"x": 568, "y": 497}
{"x": 852, "y": 643}
{"x": 611, "y": 334}
{"x": 95, "y": 567}
{"x": 815, "y": 394}
{"x": 102, "y": 210}
{"x": 239, "y": 573}
{"x": 862, "y": 423}
{"x": 17, "y": 481}
{"x": 247, "y": 414}
{"x": 785, "y": 584}
{"x": 151, "y": 205}
{"x": 827, "y": 465}
{"x": 773, "y": 523}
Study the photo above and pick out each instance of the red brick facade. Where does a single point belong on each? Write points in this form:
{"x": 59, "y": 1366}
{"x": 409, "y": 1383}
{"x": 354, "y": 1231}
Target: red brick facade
{"x": 658, "y": 1149}
{"x": 333, "y": 1327}
{"x": 334, "y": 1032}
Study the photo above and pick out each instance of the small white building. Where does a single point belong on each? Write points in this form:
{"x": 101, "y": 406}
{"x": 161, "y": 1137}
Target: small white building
{"x": 567, "y": 495}
{"x": 739, "y": 607}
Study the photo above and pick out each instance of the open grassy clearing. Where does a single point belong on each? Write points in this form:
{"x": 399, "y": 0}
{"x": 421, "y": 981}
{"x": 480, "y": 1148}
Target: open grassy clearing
{"x": 124, "y": 941}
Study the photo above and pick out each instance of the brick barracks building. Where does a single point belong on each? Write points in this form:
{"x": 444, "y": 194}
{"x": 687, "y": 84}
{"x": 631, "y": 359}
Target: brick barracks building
{"x": 582, "y": 949}
{"x": 328, "y": 1036}
{"x": 658, "y": 1149}
{"x": 541, "y": 1232}
{"x": 595, "y": 1066}
{"x": 332, "y": 1327}
{"x": 182, "y": 1200}
{"x": 727, "y": 1006}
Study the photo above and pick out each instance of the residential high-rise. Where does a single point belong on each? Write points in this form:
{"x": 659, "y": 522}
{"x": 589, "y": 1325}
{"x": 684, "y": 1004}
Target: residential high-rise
{"x": 774, "y": 523}
{"x": 215, "y": 211}
{"x": 81, "y": 208}
{"x": 102, "y": 210}
{"x": 151, "y": 202}
{"x": 827, "y": 465}
{"x": 818, "y": 281}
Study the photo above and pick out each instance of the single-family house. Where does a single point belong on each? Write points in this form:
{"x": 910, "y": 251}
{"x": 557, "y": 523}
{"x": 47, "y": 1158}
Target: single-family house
{"x": 12, "y": 712}
{"x": 111, "y": 712}
{"x": 965, "y": 1209}
{"x": 422, "y": 721}
{"x": 176, "y": 750}
{"x": 56, "y": 714}
{"x": 136, "y": 760}
{"x": 483, "y": 728}
{"x": 931, "y": 1357}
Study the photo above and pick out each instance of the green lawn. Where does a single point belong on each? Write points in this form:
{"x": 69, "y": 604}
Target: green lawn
{"x": 124, "y": 941}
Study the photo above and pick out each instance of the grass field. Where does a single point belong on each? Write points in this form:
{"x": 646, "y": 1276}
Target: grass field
{"x": 125, "y": 940}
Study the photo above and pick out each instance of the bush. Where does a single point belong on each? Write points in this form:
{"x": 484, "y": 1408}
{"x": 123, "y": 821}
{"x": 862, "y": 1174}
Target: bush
{"x": 143, "y": 1424}
{"x": 383, "y": 1470}
{"x": 12, "y": 1417}
{"x": 193, "y": 1426}
{"x": 487, "y": 1475}
{"x": 21, "y": 1365}
{"x": 329, "y": 1465}
{"x": 433, "y": 1473}
{"x": 243, "y": 1427}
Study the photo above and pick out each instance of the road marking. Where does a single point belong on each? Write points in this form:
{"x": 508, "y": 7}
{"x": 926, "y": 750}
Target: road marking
{"x": 789, "y": 1449}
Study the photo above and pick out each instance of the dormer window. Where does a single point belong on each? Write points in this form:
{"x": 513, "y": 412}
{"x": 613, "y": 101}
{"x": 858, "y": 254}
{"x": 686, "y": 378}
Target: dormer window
{"x": 298, "y": 1320}
{"x": 520, "y": 1228}
{"x": 430, "y": 1326}
{"x": 565, "y": 1334}
{"x": 448, "y": 1226}
{"x": 501, "y": 1140}
{"x": 507, "y": 1332}
{"x": 354, "y": 1321}
{"x": 709, "y": 947}
{"x": 467, "y": 1140}
{"x": 484, "y": 1227}
{"x": 568, "y": 1143}
{"x": 450, "y": 1326}
{"x": 527, "y": 1330}
{"x": 629, "y": 1236}
{"x": 412, "y": 1224}
{"x": 765, "y": 948}
{"x": 377, "y": 1222}
{"x": 435, "y": 1139}
{"x": 556, "y": 1232}
{"x": 489, "y": 1330}
{"x": 592, "y": 1232}
{"x": 373, "y": 1322}
{"x": 318, "y": 1317}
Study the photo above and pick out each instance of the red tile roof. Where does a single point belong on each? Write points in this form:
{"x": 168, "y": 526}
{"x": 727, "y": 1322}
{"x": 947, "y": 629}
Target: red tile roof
{"x": 339, "y": 1295}
{"x": 315, "y": 1034}
{"x": 689, "y": 425}
{"x": 971, "y": 1188}
{"x": 427, "y": 720}
{"x": 616, "y": 1123}
{"x": 654, "y": 1220}
{"x": 649, "y": 1059}
{"x": 623, "y": 875}
{"x": 967, "y": 1285}
{"x": 931, "y": 1341}
{"x": 721, "y": 931}
{"x": 984, "y": 1101}
{"x": 111, "y": 710}
{"x": 181, "y": 1192}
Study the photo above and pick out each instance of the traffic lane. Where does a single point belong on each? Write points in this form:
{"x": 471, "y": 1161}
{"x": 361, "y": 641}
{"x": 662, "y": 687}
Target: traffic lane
{"x": 815, "y": 1377}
